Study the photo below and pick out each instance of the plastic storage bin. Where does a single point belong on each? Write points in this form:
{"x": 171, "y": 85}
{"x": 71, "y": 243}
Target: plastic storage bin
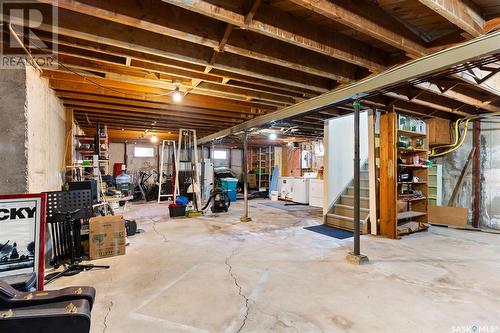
{"x": 176, "y": 210}
{"x": 229, "y": 185}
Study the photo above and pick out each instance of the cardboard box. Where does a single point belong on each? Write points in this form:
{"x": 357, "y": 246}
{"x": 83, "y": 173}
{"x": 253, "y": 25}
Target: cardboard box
{"x": 252, "y": 180}
{"x": 106, "y": 236}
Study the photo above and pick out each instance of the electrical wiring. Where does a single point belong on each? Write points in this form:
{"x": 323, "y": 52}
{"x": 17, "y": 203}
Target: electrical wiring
{"x": 86, "y": 78}
{"x": 460, "y": 137}
{"x": 33, "y": 61}
{"x": 459, "y": 140}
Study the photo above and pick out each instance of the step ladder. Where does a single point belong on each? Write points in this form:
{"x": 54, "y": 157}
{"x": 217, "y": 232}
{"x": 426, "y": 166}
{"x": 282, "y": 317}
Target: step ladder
{"x": 187, "y": 150}
{"x": 168, "y": 165}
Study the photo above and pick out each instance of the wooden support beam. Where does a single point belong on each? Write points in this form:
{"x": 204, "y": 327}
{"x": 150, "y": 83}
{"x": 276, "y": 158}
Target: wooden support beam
{"x": 217, "y": 50}
{"x": 156, "y": 36}
{"x": 476, "y": 174}
{"x": 225, "y": 38}
{"x": 152, "y": 94}
{"x": 251, "y": 13}
{"x": 284, "y": 27}
{"x": 68, "y": 46}
{"x": 388, "y": 174}
{"x": 114, "y": 79}
{"x": 68, "y": 151}
{"x": 77, "y": 104}
{"x": 117, "y": 135}
{"x": 458, "y": 96}
{"x": 370, "y": 20}
{"x": 75, "y": 96}
{"x": 268, "y": 65}
{"x": 253, "y": 95}
{"x": 434, "y": 102}
{"x": 373, "y": 174}
{"x": 462, "y": 13}
{"x": 137, "y": 123}
{"x": 492, "y": 25}
{"x": 141, "y": 122}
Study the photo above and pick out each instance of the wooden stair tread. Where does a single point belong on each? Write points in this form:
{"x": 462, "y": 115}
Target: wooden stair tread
{"x": 340, "y": 217}
{"x": 352, "y": 197}
{"x": 366, "y": 210}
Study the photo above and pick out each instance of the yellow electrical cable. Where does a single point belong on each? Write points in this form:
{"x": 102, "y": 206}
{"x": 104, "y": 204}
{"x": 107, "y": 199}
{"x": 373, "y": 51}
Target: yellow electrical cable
{"x": 459, "y": 142}
{"x": 456, "y": 135}
{"x": 462, "y": 140}
{"x": 456, "y": 128}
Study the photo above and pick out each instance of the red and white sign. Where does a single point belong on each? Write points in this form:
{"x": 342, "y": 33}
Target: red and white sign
{"x": 22, "y": 235}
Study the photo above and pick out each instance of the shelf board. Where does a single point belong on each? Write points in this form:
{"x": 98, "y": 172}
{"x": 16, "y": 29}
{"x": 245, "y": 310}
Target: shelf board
{"x": 412, "y": 183}
{"x": 412, "y": 199}
{"x": 412, "y": 134}
{"x": 413, "y": 166}
{"x": 410, "y": 215}
{"x": 412, "y": 150}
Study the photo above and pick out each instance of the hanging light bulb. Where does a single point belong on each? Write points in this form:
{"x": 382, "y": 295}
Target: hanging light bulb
{"x": 154, "y": 139}
{"x": 177, "y": 96}
{"x": 273, "y": 136}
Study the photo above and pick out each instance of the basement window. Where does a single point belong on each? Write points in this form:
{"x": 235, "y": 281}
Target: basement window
{"x": 144, "y": 152}
{"x": 220, "y": 155}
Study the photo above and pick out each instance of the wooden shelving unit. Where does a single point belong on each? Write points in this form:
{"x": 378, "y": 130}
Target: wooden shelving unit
{"x": 86, "y": 147}
{"x": 262, "y": 158}
{"x": 401, "y": 210}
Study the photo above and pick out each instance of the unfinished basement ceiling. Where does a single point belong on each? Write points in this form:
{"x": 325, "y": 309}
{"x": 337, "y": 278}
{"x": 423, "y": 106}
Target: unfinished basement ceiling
{"x": 119, "y": 62}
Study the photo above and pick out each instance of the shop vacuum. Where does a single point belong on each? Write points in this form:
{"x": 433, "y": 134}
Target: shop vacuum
{"x": 219, "y": 199}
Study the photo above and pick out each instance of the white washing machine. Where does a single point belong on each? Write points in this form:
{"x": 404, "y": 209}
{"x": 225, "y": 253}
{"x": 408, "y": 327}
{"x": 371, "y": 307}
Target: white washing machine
{"x": 300, "y": 190}
{"x": 285, "y": 187}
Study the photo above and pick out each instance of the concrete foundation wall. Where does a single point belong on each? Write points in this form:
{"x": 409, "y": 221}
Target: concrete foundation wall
{"x": 116, "y": 154}
{"x": 14, "y": 167}
{"x": 453, "y": 164}
{"x": 236, "y": 159}
{"x": 32, "y": 139}
{"x": 490, "y": 179}
{"x": 46, "y": 139}
{"x": 135, "y": 164}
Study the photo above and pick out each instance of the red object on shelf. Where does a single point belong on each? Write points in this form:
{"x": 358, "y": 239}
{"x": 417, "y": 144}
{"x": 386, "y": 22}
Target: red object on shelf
{"x": 117, "y": 169}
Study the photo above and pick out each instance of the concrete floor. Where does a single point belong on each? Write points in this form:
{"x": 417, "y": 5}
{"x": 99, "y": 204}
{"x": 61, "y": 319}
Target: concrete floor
{"x": 215, "y": 274}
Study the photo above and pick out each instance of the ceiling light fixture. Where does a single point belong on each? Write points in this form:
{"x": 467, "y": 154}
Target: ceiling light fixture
{"x": 273, "y": 136}
{"x": 154, "y": 139}
{"x": 177, "y": 96}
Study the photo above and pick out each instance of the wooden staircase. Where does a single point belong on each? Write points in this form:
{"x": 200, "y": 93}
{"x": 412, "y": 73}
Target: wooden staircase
{"x": 341, "y": 214}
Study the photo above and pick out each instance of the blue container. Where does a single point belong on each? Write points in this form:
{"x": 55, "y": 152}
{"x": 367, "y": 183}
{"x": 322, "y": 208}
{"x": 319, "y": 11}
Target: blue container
{"x": 229, "y": 185}
{"x": 182, "y": 201}
{"x": 232, "y": 195}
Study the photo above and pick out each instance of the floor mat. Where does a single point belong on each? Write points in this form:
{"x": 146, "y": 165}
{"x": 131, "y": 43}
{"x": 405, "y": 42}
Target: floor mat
{"x": 290, "y": 207}
{"x": 330, "y": 231}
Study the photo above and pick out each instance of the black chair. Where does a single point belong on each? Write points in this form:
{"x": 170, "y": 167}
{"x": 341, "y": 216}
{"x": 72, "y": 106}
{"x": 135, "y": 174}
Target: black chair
{"x": 65, "y": 210}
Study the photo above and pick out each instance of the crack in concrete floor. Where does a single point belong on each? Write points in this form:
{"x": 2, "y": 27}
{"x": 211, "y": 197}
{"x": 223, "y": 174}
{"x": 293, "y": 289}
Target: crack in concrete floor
{"x": 105, "y": 321}
{"x": 240, "y": 292}
{"x": 165, "y": 240}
